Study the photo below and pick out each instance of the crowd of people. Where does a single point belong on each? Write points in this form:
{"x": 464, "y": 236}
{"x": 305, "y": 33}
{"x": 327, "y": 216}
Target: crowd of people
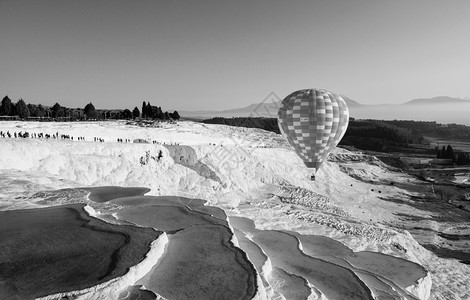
{"x": 25, "y": 134}
{"x": 56, "y": 136}
{"x": 41, "y": 135}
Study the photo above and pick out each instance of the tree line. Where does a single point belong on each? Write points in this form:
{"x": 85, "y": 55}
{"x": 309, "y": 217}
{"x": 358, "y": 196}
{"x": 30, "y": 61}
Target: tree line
{"x": 386, "y": 133}
{"x": 459, "y": 158}
{"x": 433, "y": 129}
{"x": 155, "y": 112}
{"x": 23, "y": 111}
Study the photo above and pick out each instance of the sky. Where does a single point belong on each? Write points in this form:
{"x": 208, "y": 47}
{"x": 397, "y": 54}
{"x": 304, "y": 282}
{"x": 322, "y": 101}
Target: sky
{"x": 215, "y": 55}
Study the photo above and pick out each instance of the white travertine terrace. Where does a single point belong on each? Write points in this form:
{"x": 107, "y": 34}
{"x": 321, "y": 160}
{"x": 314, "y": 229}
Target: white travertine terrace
{"x": 259, "y": 169}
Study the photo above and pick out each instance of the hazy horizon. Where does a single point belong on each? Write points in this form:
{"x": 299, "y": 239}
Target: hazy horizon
{"x": 210, "y": 55}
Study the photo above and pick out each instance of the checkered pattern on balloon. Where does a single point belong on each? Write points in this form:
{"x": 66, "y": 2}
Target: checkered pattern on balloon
{"x": 313, "y": 122}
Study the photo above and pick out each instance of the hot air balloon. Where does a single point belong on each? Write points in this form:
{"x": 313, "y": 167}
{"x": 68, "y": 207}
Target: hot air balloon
{"x": 313, "y": 121}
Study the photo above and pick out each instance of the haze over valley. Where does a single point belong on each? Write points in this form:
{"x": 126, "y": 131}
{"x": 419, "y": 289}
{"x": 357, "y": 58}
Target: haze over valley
{"x": 440, "y": 109}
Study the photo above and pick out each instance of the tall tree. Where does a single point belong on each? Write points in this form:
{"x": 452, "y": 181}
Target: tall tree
{"x": 13, "y": 109}
{"x": 149, "y": 111}
{"x": 159, "y": 113}
{"x": 135, "y": 113}
{"x": 33, "y": 110}
{"x": 175, "y": 115}
{"x": 144, "y": 110}
{"x": 21, "y": 109}
{"x": 450, "y": 153}
{"x": 6, "y": 107}
{"x": 126, "y": 114}
{"x": 41, "y": 111}
{"x": 90, "y": 111}
{"x": 57, "y": 111}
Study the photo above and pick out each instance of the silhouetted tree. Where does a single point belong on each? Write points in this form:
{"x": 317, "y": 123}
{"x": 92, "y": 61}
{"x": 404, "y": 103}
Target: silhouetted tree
{"x": 135, "y": 112}
{"x": 6, "y": 107}
{"x": 443, "y": 152}
{"x": 13, "y": 109}
{"x": 41, "y": 112}
{"x": 90, "y": 111}
{"x": 450, "y": 153}
{"x": 57, "y": 111}
{"x": 144, "y": 110}
{"x": 149, "y": 111}
{"x": 21, "y": 109}
{"x": 175, "y": 115}
{"x": 126, "y": 114}
{"x": 159, "y": 114}
{"x": 33, "y": 110}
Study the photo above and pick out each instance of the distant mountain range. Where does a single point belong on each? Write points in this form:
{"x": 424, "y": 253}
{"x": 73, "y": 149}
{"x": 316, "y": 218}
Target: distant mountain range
{"x": 265, "y": 109}
{"x": 438, "y": 100}
{"x": 441, "y": 109}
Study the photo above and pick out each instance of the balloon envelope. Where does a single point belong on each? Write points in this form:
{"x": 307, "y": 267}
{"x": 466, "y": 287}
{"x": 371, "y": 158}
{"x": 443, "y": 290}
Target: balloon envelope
{"x": 313, "y": 121}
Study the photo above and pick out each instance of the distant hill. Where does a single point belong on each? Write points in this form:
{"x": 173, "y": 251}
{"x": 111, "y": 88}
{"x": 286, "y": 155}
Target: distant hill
{"x": 440, "y": 109}
{"x": 437, "y": 100}
{"x": 267, "y": 109}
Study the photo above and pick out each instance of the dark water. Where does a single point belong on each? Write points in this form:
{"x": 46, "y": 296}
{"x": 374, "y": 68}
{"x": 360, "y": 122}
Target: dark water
{"x": 59, "y": 249}
{"x": 106, "y": 193}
